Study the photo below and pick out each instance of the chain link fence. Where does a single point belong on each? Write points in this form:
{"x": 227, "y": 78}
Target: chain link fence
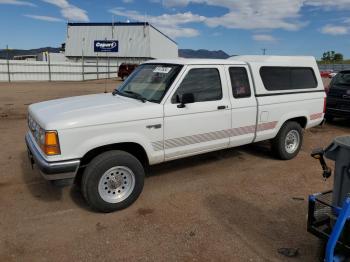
{"x": 334, "y": 67}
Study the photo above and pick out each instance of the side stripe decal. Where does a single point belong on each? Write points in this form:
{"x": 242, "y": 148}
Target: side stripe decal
{"x": 206, "y": 137}
{"x": 316, "y": 116}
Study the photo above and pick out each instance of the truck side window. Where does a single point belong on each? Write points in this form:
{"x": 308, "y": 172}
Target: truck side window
{"x": 203, "y": 83}
{"x": 239, "y": 82}
{"x": 287, "y": 78}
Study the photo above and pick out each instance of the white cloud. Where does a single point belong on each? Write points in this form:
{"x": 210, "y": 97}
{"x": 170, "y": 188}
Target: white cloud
{"x": 264, "y": 38}
{"x": 248, "y": 14}
{"x": 335, "y": 30}
{"x": 128, "y": 1}
{"x": 328, "y": 4}
{"x": 251, "y": 14}
{"x": 45, "y": 18}
{"x": 16, "y": 2}
{"x": 69, "y": 11}
{"x": 260, "y": 14}
{"x": 169, "y": 24}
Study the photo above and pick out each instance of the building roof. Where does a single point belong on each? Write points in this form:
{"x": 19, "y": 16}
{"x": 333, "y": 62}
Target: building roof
{"x": 121, "y": 24}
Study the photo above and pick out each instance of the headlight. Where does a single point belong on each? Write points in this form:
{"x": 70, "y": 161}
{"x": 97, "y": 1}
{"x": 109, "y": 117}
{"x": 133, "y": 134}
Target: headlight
{"x": 47, "y": 140}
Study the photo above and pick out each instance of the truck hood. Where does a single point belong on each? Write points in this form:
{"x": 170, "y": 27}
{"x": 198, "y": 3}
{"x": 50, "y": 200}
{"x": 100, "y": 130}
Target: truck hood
{"x": 89, "y": 110}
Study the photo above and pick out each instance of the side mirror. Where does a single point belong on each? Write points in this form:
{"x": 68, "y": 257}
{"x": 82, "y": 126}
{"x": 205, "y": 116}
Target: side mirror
{"x": 187, "y": 98}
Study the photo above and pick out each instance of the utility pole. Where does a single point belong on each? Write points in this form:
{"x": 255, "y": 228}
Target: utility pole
{"x": 264, "y": 51}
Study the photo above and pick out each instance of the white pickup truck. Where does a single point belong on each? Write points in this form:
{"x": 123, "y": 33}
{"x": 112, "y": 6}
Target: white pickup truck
{"x": 169, "y": 110}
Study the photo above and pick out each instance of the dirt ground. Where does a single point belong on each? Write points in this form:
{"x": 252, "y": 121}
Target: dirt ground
{"x": 239, "y": 204}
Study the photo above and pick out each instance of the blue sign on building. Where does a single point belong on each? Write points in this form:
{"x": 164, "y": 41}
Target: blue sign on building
{"x": 106, "y": 46}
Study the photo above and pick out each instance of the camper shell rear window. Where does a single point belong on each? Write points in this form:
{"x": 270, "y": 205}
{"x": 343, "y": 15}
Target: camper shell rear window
{"x": 288, "y": 78}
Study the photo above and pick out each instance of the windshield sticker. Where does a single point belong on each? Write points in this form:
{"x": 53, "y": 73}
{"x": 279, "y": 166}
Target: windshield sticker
{"x": 162, "y": 70}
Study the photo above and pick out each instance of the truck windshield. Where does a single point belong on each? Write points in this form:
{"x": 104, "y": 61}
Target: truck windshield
{"x": 149, "y": 82}
{"x": 342, "y": 79}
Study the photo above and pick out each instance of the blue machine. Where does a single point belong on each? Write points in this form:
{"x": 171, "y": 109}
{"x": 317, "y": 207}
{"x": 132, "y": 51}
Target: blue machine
{"x": 329, "y": 212}
{"x": 329, "y": 223}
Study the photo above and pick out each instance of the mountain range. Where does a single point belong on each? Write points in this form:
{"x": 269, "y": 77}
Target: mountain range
{"x": 186, "y": 53}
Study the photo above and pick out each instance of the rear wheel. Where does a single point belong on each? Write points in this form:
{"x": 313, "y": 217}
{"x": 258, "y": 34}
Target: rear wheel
{"x": 286, "y": 145}
{"x": 112, "y": 181}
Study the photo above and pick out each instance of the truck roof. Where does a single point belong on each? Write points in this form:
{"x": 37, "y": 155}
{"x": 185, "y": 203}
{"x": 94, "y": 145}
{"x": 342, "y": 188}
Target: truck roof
{"x": 190, "y": 61}
{"x": 273, "y": 59}
{"x": 242, "y": 60}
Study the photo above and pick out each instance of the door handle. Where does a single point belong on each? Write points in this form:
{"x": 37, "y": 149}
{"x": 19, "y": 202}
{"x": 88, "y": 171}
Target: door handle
{"x": 222, "y": 107}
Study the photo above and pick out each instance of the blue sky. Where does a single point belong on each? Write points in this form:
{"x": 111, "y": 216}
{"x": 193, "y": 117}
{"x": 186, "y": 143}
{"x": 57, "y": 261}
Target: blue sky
{"x": 283, "y": 27}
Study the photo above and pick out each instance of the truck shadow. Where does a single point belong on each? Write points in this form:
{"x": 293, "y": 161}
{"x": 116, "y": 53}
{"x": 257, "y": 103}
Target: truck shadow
{"x": 37, "y": 186}
{"x": 45, "y": 191}
{"x": 77, "y": 197}
{"x": 260, "y": 150}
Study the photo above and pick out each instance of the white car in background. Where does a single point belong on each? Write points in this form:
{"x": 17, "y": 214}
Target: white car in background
{"x": 333, "y": 74}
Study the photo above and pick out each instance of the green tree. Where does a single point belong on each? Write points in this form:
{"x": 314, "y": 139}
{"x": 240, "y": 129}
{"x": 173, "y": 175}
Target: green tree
{"x": 338, "y": 57}
{"x": 332, "y": 56}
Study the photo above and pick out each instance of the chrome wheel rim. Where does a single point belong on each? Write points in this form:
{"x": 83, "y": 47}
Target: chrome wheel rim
{"x": 116, "y": 184}
{"x": 292, "y": 141}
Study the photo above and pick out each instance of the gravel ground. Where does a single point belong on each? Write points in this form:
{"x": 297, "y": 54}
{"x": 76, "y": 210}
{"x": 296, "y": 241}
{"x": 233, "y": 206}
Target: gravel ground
{"x": 234, "y": 205}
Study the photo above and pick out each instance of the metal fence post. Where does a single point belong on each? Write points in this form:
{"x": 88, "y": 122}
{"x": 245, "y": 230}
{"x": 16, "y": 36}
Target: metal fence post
{"x": 82, "y": 67}
{"x": 109, "y": 73}
{"x": 8, "y": 64}
{"x": 49, "y": 65}
{"x": 8, "y": 71}
{"x": 97, "y": 71}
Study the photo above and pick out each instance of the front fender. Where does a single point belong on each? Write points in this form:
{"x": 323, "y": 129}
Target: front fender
{"x": 75, "y": 143}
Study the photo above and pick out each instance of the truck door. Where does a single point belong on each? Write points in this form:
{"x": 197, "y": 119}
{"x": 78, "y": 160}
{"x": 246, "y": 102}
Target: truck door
{"x": 243, "y": 105}
{"x": 201, "y": 125}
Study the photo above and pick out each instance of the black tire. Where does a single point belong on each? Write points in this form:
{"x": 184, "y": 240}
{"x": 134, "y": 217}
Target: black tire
{"x": 278, "y": 143}
{"x": 97, "y": 168}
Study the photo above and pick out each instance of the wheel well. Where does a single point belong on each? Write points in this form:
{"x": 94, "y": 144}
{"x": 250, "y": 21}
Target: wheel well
{"x": 133, "y": 148}
{"x": 302, "y": 121}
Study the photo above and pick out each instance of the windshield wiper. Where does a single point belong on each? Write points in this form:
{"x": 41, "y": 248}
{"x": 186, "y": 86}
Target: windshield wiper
{"x": 116, "y": 92}
{"x": 130, "y": 94}
{"x": 136, "y": 96}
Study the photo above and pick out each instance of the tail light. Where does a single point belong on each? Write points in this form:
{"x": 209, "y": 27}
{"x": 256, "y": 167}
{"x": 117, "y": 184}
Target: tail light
{"x": 324, "y": 105}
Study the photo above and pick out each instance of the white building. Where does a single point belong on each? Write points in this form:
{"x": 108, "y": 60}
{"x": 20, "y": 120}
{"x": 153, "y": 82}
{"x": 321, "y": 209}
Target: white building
{"x": 132, "y": 42}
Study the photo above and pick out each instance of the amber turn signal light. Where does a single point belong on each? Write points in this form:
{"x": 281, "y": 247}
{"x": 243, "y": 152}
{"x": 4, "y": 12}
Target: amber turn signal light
{"x": 51, "y": 146}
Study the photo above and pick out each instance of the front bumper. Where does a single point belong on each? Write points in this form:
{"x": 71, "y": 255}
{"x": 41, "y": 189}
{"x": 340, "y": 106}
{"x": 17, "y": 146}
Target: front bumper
{"x": 51, "y": 170}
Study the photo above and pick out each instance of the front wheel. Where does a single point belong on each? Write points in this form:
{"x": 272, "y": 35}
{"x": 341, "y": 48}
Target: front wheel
{"x": 286, "y": 145}
{"x": 112, "y": 181}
